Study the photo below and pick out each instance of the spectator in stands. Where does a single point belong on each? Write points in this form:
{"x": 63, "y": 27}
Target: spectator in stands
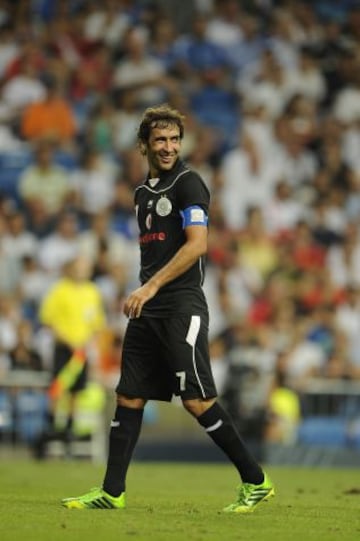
{"x": 122, "y": 207}
{"x": 294, "y": 158}
{"x": 256, "y": 249}
{"x": 107, "y": 22}
{"x": 21, "y": 90}
{"x": 20, "y": 241}
{"x": 283, "y": 38}
{"x": 44, "y": 188}
{"x": 50, "y": 118}
{"x": 61, "y": 246}
{"x": 246, "y": 52}
{"x": 266, "y": 83}
{"x": 303, "y": 360}
{"x": 282, "y": 211}
{"x": 100, "y": 128}
{"x": 308, "y": 26}
{"x": 306, "y": 78}
{"x": 245, "y": 180}
{"x": 9, "y": 47}
{"x": 29, "y": 53}
{"x": 94, "y": 182}
{"x": 9, "y": 320}
{"x": 223, "y": 27}
{"x": 347, "y": 102}
{"x": 10, "y": 268}
{"x": 24, "y": 355}
{"x": 139, "y": 71}
{"x": 35, "y": 281}
{"x": 307, "y": 254}
{"x": 347, "y": 317}
{"x": 125, "y": 120}
{"x": 215, "y": 104}
{"x": 353, "y": 198}
{"x": 92, "y": 78}
{"x": 194, "y": 51}
{"x": 203, "y": 158}
{"x": 161, "y": 39}
{"x": 101, "y": 237}
{"x": 343, "y": 259}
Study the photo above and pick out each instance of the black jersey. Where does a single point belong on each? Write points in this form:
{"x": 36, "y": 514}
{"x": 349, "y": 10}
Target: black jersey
{"x": 158, "y": 205}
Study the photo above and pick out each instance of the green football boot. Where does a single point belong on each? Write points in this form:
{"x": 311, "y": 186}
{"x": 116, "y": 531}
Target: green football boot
{"x": 249, "y": 496}
{"x": 97, "y": 498}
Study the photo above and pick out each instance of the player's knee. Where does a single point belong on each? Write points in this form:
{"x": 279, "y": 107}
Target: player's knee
{"x": 132, "y": 403}
{"x": 198, "y": 406}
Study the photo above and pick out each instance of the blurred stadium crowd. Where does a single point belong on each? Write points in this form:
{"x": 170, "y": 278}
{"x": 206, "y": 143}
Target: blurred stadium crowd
{"x": 271, "y": 94}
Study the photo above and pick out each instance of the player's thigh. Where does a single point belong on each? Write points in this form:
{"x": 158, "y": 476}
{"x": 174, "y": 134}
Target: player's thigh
{"x": 187, "y": 352}
{"x": 142, "y": 370}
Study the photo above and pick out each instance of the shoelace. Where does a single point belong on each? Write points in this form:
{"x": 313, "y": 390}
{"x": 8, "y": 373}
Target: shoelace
{"x": 93, "y": 490}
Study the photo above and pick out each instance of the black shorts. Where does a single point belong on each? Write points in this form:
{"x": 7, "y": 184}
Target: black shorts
{"x": 166, "y": 357}
{"x": 62, "y": 355}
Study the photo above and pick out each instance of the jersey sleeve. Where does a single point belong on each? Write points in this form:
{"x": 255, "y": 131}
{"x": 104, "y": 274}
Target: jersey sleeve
{"x": 191, "y": 190}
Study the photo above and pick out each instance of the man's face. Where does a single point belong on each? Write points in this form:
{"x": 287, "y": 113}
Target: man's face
{"x": 163, "y": 149}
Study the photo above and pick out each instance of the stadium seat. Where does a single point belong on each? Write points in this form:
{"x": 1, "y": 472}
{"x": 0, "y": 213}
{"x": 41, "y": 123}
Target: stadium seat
{"x": 11, "y": 166}
{"x": 6, "y": 413}
{"x": 30, "y": 410}
{"x": 323, "y": 431}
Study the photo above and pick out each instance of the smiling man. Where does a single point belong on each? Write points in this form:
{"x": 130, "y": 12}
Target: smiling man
{"x": 165, "y": 349}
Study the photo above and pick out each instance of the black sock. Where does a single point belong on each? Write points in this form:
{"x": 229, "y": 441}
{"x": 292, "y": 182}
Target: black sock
{"x": 69, "y": 423}
{"x": 124, "y": 433}
{"x": 50, "y": 420}
{"x": 222, "y": 431}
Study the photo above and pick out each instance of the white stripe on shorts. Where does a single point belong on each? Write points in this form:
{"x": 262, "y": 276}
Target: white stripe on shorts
{"x": 191, "y": 338}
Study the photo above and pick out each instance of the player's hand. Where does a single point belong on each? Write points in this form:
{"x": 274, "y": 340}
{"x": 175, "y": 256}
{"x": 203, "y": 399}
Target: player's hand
{"x": 136, "y": 300}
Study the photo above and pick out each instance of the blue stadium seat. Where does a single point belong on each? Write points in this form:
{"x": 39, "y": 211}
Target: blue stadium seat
{"x": 323, "y": 431}
{"x": 11, "y": 166}
{"x": 31, "y": 407}
{"x": 6, "y": 412}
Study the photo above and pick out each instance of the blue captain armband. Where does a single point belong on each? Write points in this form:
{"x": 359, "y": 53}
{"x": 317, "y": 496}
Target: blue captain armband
{"x": 193, "y": 215}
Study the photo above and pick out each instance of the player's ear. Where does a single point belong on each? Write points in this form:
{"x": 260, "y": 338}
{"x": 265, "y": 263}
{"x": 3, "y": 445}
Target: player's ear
{"x": 142, "y": 148}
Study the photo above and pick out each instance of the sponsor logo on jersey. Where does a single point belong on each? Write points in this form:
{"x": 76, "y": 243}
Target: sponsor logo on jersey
{"x": 151, "y": 237}
{"x": 163, "y": 206}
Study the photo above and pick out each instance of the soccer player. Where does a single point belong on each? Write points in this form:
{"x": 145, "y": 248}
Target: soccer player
{"x": 165, "y": 350}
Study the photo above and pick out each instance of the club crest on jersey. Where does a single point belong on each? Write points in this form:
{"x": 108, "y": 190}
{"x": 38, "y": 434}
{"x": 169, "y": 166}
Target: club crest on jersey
{"x": 163, "y": 206}
{"x": 148, "y": 221}
{"x": 149, "y": 204}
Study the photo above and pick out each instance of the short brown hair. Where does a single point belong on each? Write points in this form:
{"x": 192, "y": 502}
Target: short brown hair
{"x": 159, "y": 117}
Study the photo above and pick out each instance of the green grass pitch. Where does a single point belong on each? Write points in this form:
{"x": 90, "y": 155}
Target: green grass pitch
{"x": 173, "y": 502}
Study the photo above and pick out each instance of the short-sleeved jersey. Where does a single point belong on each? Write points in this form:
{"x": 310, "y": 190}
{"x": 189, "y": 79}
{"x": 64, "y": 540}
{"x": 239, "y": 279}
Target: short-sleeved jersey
{"x": 73, "y": 310}
{"x": 158, "y": 204}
